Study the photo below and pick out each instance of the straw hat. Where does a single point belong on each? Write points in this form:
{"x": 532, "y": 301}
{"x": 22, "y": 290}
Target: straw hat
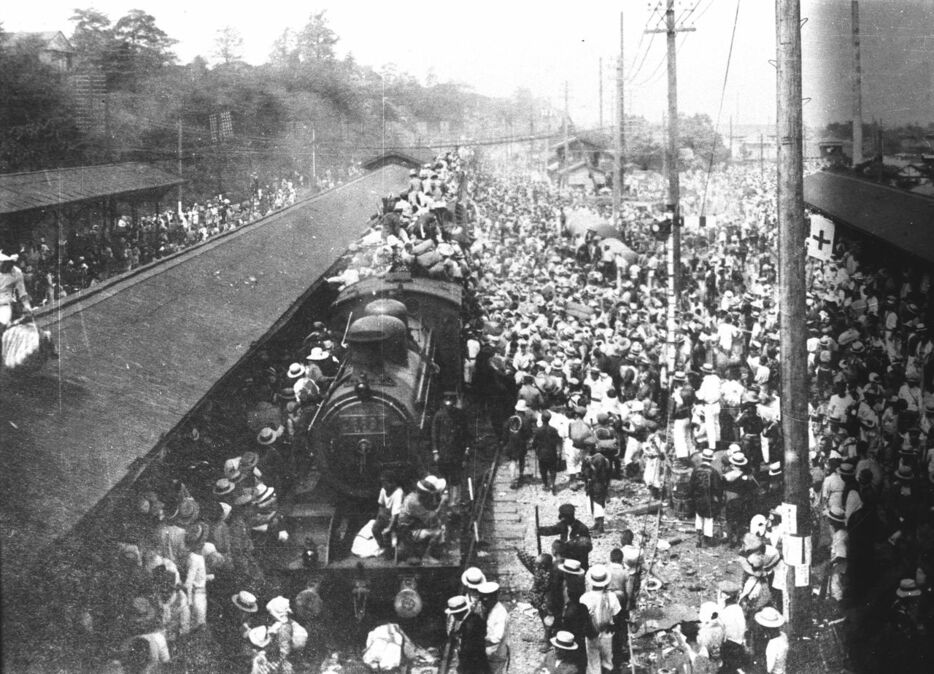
{"x": 223, "y": 487}
{"x": 296, "y": 370}
{"x": 489, "y": 587}
{"x": 770, "y": 617}
{"x": 908, "y": 587}
{"x": 245, "y": 601}
{"x": 572, "y": 567}
{"x": 457, "y": 604}
{"x": 707, "y": 455}
{"x": 473, "y": 578}
{"x": 598, "y": 576}
{"x": 739, "y": 459}
{"x": 564, "y": 641}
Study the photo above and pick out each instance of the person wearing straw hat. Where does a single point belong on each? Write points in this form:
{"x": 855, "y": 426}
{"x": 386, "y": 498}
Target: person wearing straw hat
{"x": 706, "y": 489}
{"x": 565, "y": 656}
{"x": 603, "y": 609}
{"x": 776, "y": 648}
{"x": 420, "y": 528}
{"x": 471, "y": 579}
{"x": 739, "y": 489}
{"x": 496, "y": 641}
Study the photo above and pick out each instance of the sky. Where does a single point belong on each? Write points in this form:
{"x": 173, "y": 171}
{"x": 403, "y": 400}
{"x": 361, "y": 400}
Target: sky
{"x": 498, "y": 46}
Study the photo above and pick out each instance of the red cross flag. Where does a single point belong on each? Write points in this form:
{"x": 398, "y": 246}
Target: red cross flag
{"x": 820, "y": 240}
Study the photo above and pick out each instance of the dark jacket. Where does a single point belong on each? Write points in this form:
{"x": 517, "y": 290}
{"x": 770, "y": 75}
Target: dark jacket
{"x": 706, "y": 490}
{"x": 546, "y": 442}
{"x": 576, "y": 539}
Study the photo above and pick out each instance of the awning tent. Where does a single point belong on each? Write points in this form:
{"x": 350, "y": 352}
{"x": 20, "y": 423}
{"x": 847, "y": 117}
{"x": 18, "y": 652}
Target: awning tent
{"x": 581, "y": 221}
{"x": 620, "y": 248}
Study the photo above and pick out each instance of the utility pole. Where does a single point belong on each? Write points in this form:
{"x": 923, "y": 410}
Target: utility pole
{"x": 857, "y": 89}
{"x": 731, "y": 139}
{"x": 179, "y": 165}
{"x": 674, "y": 187}
{"x": 792, "y": 230}
{"x": 567, "y": 143}
{"x": 620, "y": 130}
{"x": 600, "y": 81}
{"x": 314, "y": 156}
{"x": 761, "y": 151}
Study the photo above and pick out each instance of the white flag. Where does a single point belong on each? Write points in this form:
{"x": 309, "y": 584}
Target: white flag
{"x": 820, "y": 240}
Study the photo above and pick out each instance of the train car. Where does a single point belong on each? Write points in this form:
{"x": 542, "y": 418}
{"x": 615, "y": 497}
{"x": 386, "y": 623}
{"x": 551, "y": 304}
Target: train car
{"x": 403, "y": 351}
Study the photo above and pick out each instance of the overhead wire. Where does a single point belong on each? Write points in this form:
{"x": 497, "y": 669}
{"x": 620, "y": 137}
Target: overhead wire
{"x": 716, "y": 130}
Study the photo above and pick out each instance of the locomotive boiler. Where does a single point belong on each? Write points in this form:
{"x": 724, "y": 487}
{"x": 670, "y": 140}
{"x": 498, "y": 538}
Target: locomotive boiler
{"x": 403, "y": 340}
{"x": 403, "y": 352}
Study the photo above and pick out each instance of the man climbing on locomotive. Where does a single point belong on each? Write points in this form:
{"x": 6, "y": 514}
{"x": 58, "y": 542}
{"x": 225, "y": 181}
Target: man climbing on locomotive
{"x": 421, "y": 527}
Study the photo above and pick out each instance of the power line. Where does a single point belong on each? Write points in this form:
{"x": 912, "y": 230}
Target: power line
{"x": 716, "y": 129}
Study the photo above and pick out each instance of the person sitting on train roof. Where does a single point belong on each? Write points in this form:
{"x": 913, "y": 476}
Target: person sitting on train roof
{"x": 421, "y": 528}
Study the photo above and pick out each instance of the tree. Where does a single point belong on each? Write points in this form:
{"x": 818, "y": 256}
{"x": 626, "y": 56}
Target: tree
{"x": 284, "y": 51}
{"x": 37, "y": 124}
{"x": 229, "y": 45}
{"x": 148, "y": 43}
{"x": 317, "y": 39}
{"x": 698, "y": 134}
{"x": 93, "y": 36}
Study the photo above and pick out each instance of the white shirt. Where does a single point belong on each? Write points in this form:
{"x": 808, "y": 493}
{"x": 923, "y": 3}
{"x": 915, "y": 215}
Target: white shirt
{"x": 776, "y": 652}
{"x": 392, "y": 503}
{"x": 709, "y": 391}
{"x": 734, "y": 623}
{"x": 496, "y": 624}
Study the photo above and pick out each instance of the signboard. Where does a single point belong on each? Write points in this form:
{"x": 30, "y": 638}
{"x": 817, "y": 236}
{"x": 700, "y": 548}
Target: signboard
{"x": 820, "y": 239}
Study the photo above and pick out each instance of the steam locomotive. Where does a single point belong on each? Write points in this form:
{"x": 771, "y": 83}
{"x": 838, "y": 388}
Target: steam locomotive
{"x": 403, "y": 338}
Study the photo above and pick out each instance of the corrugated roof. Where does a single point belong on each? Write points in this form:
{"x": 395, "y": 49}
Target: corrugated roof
{"x": 136, "y": 357}
{"x": 899, "y": 218}
{"x": 44, "y": 189}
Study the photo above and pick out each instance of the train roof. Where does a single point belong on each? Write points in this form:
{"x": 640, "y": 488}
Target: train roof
{"x": 139, "y": 353}
{"x": 393, "y": 283}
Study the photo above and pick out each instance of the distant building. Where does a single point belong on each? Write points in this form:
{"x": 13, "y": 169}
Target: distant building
{"x": 53, "y": 47}
{"x": 585, "y": 160}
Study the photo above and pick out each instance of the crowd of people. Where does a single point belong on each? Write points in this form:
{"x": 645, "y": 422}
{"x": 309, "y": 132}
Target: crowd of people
{"x": 90, "y": 256}
{"x": 180, "y": 579}
{"x": 566, "y": 352}
{"x": 578, "y": 336}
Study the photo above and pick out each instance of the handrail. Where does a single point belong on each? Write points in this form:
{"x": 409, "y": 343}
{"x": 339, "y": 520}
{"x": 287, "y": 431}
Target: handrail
{"x": 479, "y": 506}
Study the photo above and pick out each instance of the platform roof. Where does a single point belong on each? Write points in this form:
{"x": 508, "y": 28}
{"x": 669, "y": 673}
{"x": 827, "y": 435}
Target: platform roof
{"x": 899, "y": 218}
{"x": 53, "y": 187}
{"x": 139, "y": 354}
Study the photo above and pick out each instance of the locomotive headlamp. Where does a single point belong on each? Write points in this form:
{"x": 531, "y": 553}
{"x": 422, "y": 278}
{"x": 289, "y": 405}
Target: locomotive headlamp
{"x": 408, "y": 602}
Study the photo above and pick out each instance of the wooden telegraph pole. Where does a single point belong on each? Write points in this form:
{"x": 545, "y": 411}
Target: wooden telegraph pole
{"x": 674, "y": 187}
{"x": 567, "y": 142}
{"x": 600, "y": 81}
{"x": 180, "y": 165}
{"x": 620, "y": 130}
{"x": 792, "y": 232}
{"x": 857, "y": 90}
